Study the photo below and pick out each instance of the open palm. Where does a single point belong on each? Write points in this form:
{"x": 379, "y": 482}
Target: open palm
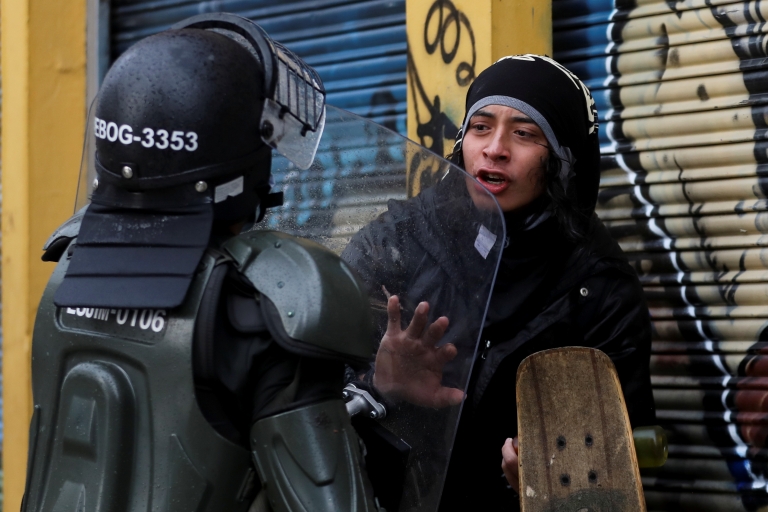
{"x": 409, "y": 365}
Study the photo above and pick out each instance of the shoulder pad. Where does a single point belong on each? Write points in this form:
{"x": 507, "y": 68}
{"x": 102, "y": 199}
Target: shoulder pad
{"x": 320, "y": 300}
{"x": 58, "y": 242}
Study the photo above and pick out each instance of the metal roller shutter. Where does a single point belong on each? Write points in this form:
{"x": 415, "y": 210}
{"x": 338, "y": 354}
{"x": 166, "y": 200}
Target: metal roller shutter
{"x": 359, "y": 49}
{"x": 682, "y": 90}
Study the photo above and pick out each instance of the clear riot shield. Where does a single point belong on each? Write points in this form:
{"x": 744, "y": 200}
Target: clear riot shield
{"x": 416, "y": 226}
{"x": 87, "y": 162}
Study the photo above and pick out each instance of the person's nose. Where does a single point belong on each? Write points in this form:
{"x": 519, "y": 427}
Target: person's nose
{"x": 497, "y": 150}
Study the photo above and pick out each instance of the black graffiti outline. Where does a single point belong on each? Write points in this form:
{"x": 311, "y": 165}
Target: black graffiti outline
{"x": 457, "y": 18}
{"x": 439, "y": 125}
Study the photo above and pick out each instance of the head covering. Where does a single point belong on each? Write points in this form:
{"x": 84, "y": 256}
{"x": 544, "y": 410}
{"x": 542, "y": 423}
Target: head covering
{"x": 558, "y": 102}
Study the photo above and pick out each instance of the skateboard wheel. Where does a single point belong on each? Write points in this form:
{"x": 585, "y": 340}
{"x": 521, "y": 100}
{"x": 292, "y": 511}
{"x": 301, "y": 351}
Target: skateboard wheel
{"x": 651, "y": 446}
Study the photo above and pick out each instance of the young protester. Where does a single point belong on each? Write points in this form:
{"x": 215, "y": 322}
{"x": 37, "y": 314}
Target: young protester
{"x": 530, "y": 137}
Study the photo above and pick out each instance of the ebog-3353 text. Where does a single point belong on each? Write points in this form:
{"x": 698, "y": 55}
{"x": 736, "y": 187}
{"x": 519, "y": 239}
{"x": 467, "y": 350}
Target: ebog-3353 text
{"x": 160, "y": 139}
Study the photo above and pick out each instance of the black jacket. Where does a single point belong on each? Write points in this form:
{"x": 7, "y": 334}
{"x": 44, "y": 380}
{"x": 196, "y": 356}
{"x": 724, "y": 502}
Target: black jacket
{"x": 596, "y": 302}
{"x": 587, "y": 295}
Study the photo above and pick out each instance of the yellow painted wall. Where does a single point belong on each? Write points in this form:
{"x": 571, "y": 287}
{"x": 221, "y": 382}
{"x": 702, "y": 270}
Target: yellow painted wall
{"x": 43, "y": 84}
{"x": 449, "y": 43}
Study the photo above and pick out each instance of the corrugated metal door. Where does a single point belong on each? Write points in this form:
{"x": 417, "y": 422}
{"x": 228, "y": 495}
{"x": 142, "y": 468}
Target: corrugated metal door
{"x": 682, "y": 89}
{"x": 357, "y": 46}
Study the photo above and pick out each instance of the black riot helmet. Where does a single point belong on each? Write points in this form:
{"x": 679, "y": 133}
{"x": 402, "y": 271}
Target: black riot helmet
{"x": 184, "y": 126}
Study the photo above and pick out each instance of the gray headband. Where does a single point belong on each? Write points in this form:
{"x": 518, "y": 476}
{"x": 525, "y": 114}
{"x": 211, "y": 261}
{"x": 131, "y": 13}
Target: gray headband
{"x": 564, "y": 153}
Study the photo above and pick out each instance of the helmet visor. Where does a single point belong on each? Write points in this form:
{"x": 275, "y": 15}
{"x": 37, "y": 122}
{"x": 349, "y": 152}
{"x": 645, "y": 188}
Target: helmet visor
{"x": 294, "y": 118}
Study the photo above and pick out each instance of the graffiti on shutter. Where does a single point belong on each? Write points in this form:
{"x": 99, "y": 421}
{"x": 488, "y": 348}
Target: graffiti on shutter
{"x": 682, "y": 89}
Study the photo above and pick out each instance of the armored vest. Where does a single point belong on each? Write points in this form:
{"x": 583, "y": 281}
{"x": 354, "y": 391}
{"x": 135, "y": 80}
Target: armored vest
{"x": 116, "y": 425}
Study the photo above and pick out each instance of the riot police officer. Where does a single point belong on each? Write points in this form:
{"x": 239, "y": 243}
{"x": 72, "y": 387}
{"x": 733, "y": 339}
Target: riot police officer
{"x": 178, "y": 365}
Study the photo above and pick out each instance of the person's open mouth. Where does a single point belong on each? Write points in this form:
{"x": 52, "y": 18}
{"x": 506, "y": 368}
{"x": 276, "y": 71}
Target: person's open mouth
{"x": 493, "y": 181}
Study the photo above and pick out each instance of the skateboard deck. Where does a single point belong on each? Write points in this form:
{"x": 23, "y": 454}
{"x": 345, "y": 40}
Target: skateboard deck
{"x": 576, "y": 451}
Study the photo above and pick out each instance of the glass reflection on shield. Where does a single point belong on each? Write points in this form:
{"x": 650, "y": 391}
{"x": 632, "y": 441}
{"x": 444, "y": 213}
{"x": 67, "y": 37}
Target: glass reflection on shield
{"x": 87, "y": 176}
{"x": 413, "y": 225}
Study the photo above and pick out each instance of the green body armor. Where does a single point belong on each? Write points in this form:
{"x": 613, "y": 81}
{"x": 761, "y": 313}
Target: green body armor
{"x": 116, "y": 424}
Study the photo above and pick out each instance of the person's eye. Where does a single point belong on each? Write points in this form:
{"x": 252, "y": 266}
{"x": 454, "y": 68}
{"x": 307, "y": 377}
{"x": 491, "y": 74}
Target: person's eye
{"x": 479, "y": 127}
{"x": 524, "y": 134}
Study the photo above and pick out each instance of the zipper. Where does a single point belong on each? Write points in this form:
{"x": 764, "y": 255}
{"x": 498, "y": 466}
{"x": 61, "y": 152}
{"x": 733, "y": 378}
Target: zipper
{"x": 485, "y": 350}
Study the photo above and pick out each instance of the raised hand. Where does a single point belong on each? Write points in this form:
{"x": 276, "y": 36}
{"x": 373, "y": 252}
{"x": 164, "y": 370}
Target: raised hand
{"x": 409, "y": 365}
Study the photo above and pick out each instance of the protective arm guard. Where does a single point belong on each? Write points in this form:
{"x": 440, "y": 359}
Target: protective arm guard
{"x": 319, "y": 304}
{"x": 310, "y": 459}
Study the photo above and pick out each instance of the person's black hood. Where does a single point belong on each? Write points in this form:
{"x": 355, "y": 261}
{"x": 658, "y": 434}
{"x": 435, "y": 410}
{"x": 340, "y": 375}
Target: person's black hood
{"x": 558, "y": 102}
